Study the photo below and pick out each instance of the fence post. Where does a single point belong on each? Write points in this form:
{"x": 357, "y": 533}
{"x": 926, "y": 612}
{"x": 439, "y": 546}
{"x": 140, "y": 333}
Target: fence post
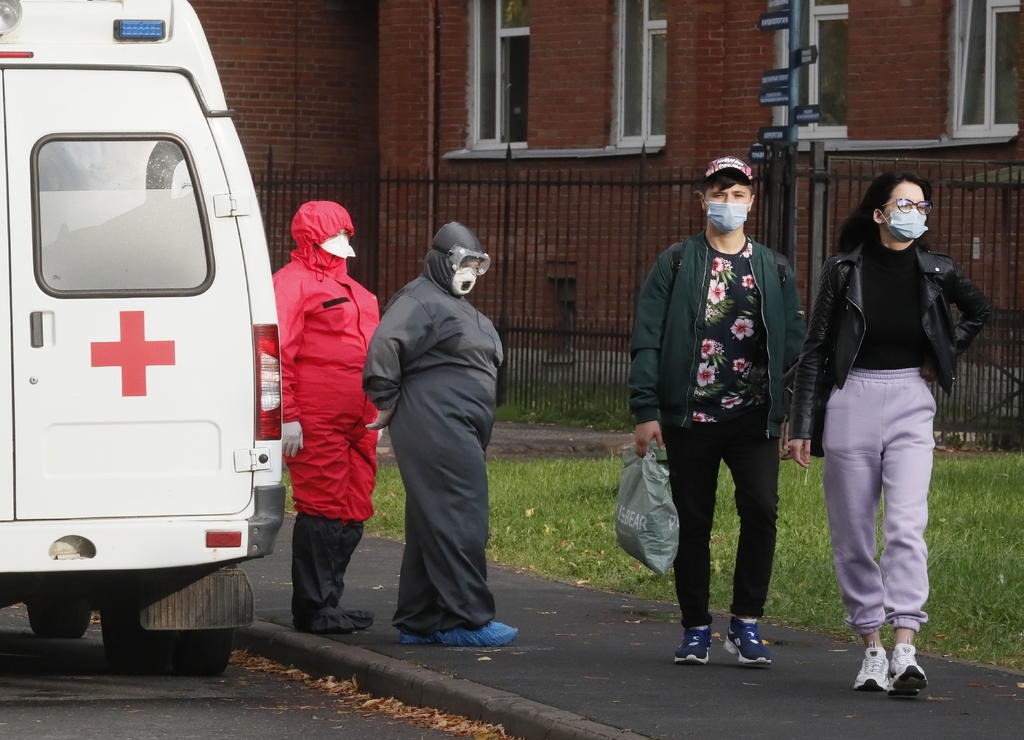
{"x": 638, "y": 271}
{"x": 506, "y": 222}
{"x": 818, "y": 213}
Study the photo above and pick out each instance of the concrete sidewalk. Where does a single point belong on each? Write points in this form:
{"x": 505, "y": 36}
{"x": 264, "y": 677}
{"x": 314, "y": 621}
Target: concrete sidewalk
{"x": 589, "y": 664}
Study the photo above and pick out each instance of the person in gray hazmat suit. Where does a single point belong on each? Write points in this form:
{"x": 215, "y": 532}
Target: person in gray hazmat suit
{"x": 431, "y": 370}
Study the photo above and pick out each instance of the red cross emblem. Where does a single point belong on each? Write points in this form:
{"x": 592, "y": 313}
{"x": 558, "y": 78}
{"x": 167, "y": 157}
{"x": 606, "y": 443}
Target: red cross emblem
{"x": 133, "y": 354}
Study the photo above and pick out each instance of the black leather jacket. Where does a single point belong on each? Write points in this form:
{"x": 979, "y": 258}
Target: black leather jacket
{"x": 838, "y": 312}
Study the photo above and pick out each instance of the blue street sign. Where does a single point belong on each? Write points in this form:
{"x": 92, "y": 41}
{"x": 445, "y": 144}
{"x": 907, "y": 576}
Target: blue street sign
{"x": 774, "y": 78}
{"x": 758, "y": 153}
{"x": 778, "y": 21}
{"x": 804, "y": 55}
{"x": 778, "y": 5}
{"x": 807, "y": 113}
{"x": 772, "y": 133}
{"x": 774, "y": 97}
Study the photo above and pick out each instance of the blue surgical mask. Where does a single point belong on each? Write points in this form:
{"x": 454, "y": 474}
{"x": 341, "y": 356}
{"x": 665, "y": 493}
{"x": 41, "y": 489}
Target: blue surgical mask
{"x": 906, "y": 227}
{"x": 727, "y": 217}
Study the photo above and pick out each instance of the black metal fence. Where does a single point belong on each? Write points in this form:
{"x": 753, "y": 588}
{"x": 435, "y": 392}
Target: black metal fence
{"x": 570, "y": 249}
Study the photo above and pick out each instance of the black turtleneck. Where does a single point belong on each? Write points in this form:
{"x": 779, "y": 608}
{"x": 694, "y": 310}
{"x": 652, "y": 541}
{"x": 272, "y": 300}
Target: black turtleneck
{"x": 892, "y": 309}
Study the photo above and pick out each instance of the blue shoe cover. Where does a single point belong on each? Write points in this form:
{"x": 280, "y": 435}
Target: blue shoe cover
{"x": 408, "y": 638}
{"x": 493, "y": 634}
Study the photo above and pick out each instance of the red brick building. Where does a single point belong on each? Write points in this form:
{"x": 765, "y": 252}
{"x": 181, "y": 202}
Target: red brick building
{"x": 406, "y": 110}
{"x": 413, "y": 83}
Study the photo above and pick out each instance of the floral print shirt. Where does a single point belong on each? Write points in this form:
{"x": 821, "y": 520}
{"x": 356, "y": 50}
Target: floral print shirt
{"x": 732, "y": 375}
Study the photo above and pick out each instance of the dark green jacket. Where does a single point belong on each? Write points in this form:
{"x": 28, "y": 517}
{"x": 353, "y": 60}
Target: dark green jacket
{"x": 670, "y": 326}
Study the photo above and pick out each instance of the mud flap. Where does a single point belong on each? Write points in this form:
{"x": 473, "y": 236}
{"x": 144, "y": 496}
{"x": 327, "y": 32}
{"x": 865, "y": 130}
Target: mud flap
{"x": 220, "y": 599}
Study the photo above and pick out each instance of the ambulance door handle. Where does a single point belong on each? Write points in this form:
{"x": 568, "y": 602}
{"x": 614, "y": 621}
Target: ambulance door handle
{"x": 35, "y": 320}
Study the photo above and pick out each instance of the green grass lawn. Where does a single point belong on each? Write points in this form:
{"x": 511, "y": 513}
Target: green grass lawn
{"x": 555, "y": 518}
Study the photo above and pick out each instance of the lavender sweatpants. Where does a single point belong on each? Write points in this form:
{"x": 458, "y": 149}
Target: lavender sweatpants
{"x": 878, "y": 438}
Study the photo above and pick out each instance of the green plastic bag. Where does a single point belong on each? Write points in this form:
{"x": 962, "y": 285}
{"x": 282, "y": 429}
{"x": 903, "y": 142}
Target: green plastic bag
{"x": 646, "y": 522}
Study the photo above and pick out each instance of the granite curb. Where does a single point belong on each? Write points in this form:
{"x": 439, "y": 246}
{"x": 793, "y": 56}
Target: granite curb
{"x": 383, "y": 676}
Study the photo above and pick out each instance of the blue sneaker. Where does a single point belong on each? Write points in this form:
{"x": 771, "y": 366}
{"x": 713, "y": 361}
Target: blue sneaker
{"x": 744, "y": 641}
{"x": 492, "y": 634}
{"x": 409, "y": 638}
{"x": 695, "y": 646}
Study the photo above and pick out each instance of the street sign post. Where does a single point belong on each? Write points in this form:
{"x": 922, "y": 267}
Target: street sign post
{"x": 774, "y": 97}
{"x": 807, "y": 114}
{"x": 775, "y": 78}
{"x": 804, "y": 55}
{"x": 777, "y": 21}
{"x": 768, "y": 134}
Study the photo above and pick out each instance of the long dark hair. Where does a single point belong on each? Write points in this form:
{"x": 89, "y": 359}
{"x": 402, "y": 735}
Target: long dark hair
{"x": 860, "y": 227}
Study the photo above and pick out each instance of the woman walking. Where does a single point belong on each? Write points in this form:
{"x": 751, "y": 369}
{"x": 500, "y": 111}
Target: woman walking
{"x": 880, "y": 328}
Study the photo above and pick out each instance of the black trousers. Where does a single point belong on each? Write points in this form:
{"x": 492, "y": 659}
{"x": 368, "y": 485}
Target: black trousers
{"x": 694, "y": 456}
{"x": 321, "y": 551}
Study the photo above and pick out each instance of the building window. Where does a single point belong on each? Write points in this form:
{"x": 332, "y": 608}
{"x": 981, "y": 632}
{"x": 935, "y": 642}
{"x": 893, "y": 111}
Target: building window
{"x": 824, "y": 24}
{"x": 501, "y": 83}
{"x": 642, "y": 35}
{"x": 987, "y": 91}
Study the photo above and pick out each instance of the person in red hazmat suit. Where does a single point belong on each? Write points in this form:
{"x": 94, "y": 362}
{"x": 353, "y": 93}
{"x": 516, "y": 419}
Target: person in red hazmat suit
{"x": 326, "y": 320}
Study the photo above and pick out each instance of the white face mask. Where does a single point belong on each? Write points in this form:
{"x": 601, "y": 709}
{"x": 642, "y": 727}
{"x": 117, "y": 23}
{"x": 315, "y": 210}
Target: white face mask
{"x": 464, "y": 280}
{"x": 338, "y": 246}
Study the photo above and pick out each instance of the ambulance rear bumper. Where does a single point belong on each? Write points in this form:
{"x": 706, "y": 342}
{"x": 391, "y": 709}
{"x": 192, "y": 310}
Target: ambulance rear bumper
{"x": 134, "y": 544}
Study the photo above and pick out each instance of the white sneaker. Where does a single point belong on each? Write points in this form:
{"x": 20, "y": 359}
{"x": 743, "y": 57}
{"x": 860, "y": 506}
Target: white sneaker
{"x": 906, "y": 677}
{"x": 874, "y": 671}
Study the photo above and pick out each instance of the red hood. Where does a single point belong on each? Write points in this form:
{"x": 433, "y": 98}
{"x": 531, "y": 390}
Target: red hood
{"x": 312, "y": 224}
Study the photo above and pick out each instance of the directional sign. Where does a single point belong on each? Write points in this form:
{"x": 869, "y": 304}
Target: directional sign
{"x": 774, "y": 97}
{"x": 766, "y": 134}
{"x": 805, "y": 55}
{"x": 778, "y": 21}
{"x": 778, "y": 5}
{"x": 807, "y": 113}
{"x": 758, "y": 153}
{"x": 774, "y": 78}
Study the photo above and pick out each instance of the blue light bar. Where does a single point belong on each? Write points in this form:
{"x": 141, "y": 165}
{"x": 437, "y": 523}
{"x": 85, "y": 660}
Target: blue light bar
{"x": 140, "y": 30}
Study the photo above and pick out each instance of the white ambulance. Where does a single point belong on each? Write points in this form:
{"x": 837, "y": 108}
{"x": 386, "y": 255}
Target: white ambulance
{"x": 140, "y": 460}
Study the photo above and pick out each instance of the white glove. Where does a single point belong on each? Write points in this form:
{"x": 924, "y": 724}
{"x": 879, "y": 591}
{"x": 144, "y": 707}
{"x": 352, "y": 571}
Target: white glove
{"x": 291, "y": 438}
{"x": 382, "y": 420}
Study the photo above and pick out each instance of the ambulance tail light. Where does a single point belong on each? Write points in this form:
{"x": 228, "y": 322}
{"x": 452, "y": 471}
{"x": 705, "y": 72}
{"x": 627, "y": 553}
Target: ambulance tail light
{"x": 268, "y": 381}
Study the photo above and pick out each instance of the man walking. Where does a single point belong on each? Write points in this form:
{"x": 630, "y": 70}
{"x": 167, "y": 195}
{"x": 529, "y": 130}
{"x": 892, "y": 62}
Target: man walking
{"x": 718, "y": 322}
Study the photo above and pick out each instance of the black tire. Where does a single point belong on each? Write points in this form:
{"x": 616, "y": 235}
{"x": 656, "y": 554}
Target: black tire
{"x": 131, "y": 649}
{"x": 203, "y": 652}
{"x": 59, "y": 618}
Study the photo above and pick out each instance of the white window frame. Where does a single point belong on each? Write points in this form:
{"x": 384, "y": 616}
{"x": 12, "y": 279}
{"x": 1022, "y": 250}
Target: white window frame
{"x": 962, "y": 19}
{"x": 651, "y": 29}
{"x": 816, "y": 15}
{"x": 499, "y": 102}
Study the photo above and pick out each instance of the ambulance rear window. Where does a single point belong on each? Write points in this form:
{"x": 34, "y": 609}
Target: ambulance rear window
{"x": 120, "y": 217}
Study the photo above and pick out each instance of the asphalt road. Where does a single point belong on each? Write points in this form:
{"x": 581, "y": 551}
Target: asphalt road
{"x": 63, "y": 689}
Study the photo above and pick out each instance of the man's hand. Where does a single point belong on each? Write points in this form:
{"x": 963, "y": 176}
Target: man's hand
{"x": 644, "y": 433}
{"x": 291, "y": 438}
{"x": 382, "y": 420}
{"x": 800, "y": 451}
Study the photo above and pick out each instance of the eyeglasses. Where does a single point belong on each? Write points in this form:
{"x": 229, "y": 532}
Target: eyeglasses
{"x": 924, "y": 207}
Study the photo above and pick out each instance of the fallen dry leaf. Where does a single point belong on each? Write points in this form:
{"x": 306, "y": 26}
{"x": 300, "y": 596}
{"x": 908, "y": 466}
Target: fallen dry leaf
{"x": 347, "y": 693}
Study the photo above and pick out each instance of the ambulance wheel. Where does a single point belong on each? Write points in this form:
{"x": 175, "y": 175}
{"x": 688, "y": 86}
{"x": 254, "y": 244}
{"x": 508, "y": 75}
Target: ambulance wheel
{"x": 59, "y": 618}
{"x": 131, "y": 649}
{"x": 203, "y": 652}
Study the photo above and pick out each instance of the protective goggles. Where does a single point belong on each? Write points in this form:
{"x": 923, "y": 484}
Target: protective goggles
{"x": 460, "y": 257}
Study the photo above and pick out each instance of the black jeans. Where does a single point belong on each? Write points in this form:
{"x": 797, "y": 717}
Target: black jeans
{"x": 694, "y": 456}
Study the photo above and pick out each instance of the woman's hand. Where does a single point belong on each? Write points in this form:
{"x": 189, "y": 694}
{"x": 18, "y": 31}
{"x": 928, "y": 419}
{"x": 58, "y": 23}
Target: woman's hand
{"x": 382, "y": 420}
{"x": 291, "y": 438}
{"x": 644, "y": 433}
{"x": 800, "y": 451}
